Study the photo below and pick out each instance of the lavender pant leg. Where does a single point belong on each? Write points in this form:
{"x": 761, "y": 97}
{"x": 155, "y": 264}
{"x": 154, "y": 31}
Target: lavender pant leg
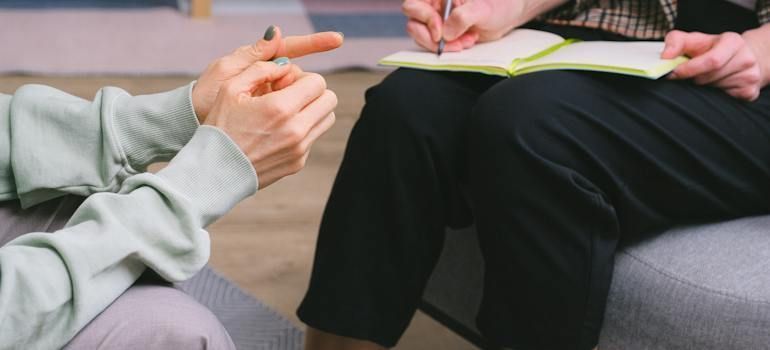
{"x": 149, "y": 315}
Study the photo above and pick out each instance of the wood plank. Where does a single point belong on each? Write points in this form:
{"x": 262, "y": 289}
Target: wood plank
{"x": 200, "y": 8}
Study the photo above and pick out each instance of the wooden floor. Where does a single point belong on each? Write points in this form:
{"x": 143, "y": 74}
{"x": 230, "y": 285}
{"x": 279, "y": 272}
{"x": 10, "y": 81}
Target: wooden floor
{"x": 266, "y": 244}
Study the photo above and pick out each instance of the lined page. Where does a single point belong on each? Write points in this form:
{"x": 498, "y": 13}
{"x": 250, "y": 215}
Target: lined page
{"x": 520, "y": 43}
{"x": 638, "y": 55}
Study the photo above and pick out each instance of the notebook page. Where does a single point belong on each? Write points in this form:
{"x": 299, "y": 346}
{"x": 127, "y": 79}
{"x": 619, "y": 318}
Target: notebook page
{"x": 638, "y": 55}
{"x": 520, "y": 43}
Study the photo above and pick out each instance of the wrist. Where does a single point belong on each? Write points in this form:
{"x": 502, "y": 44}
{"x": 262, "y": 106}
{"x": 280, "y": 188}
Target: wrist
{"x": 212, "y": 173}
{"x": 152, "y": 128}
{"x": 530, "y": 9}
{"x": 198, "y": 101}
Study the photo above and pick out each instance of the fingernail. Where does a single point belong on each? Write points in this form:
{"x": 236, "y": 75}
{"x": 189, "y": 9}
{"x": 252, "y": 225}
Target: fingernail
{"x": 269, "y": 33}
{"x": 281, "y": 61}
{"x": 341, "y": 34}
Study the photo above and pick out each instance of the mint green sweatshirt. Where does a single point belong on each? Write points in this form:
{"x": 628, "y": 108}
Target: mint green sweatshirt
{"x": 51, "y": 144}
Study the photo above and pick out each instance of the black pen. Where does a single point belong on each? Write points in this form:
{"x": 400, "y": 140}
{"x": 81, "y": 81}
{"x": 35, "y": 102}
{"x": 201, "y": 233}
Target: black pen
{"x": 447, "y": 10}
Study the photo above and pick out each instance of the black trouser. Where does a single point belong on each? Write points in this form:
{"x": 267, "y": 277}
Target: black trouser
{"x": 555, "y": 168}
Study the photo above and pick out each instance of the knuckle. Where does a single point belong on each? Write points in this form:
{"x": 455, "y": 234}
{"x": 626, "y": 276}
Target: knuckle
{"x": 732, "y": 36}
{"x": 754, "y": 92}
{"x": 293, "y": 137}
{"x": 317, "y": 80}
{"x": 754, "y": 76}
{"x": 405, "y": 7}
{"x": 298, "y": 150}
{"x": 220, "y": 64}
{"x": 745, "y": 93}
{"x": 333, "y": 97}
{"x": 277, "y": 110}
{"x": 229, "y": 89}
{"x": 297, "y": 166}
{"x": 674, "y": 35}
{"x": 463, "y": 17}
{"x": 712, "y": 62}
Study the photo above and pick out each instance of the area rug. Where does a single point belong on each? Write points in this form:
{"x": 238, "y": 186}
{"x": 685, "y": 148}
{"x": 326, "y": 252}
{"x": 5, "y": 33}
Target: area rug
{"x": 251, "y": 324}
{"x": 157, "y": 37}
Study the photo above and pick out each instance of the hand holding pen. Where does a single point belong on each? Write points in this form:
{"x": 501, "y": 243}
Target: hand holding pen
{"x": 454, "y": 25}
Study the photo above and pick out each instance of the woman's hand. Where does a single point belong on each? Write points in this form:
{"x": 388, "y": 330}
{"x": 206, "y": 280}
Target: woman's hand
{"x": 728, "y": 61}
{"x": 277, "y": 129}
{"x": 470, "y": 22}
{"x": 271, "y": 46}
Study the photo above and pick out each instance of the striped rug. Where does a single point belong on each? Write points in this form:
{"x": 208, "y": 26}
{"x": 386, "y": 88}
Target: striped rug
{"x": 156, "y": 37}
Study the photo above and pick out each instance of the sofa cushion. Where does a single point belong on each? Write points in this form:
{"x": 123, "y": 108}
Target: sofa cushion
{"x": 702, "y": 287}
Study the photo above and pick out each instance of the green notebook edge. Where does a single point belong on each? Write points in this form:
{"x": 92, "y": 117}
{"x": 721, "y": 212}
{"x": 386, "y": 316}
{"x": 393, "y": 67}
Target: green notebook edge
{"x": 512, "y": 70}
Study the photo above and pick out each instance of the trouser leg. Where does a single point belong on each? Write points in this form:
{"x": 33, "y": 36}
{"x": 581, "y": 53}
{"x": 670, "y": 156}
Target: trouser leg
{"x": 396, "y": 191}
{"x": 565, "y": 165}
{"x": 153, "y": 316}
{"x": 44, "y": 217}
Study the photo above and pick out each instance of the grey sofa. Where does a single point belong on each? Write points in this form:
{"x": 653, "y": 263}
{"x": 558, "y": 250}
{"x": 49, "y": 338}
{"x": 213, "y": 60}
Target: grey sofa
{"x": 704, "y": 288}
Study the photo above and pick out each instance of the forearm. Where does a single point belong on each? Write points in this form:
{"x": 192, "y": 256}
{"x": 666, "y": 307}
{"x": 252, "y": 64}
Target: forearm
{"x": 60, "y": 143}
{"x": 759, "y": 40}
{"x": 52, "y": 285}
{"x": 531, "y": 9}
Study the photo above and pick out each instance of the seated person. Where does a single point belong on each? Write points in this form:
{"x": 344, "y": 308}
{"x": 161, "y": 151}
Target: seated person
{"x": 246, "y": 123}
{"x": 554, "y": 168}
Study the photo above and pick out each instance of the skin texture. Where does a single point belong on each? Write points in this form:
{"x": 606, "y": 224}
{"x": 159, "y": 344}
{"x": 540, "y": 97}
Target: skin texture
{"x": 275, "y": 130}
{"x": 221, "y": 70}
{"x": 471, "y": 21}
{"x": 273, "y": 113}
{"x": 739, "y": 64}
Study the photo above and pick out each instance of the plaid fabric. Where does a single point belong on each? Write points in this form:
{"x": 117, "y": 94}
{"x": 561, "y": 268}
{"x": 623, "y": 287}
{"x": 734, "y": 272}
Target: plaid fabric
{"x": 641, "y": 19}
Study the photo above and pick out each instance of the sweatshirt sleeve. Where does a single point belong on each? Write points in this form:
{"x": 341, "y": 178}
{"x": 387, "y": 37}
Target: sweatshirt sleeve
{"x": 62, "y": 144}
{"x": 53, "y": 284}
{"x": 7, "y": 186}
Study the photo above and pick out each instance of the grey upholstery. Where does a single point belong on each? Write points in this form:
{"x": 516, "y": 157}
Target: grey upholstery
{"x": 704, "y": 287}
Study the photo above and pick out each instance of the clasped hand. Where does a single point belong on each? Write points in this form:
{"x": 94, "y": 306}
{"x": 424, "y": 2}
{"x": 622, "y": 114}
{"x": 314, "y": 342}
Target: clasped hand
{"x": 470, "y": 22}
{"x": 274, "y": 113}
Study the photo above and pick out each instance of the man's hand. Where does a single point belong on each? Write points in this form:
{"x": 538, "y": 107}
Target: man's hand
{"x": 271, "y": 46}
{"x": 274, "y": 130}
{"x": 728, "y": 61}
{"x": 470, "y": 22}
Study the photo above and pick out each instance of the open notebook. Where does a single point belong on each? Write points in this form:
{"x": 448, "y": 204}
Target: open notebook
{"x": 525, "y": 51}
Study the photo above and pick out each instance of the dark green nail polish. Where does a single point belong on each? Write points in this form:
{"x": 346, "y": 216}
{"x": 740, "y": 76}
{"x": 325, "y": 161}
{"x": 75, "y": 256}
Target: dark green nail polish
{"x": 281, "y": 61}
{"x": 269, "y": 33}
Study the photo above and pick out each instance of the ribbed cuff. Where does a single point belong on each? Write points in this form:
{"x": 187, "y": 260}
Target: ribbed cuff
{"x": 212, "y": 172}
{"x": 153, "y": 128}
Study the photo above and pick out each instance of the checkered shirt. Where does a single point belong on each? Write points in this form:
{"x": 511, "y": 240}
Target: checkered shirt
{"x": 641, "y": 19}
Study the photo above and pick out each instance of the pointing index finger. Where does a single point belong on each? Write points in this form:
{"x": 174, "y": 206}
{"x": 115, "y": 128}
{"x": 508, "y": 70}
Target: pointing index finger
{"x": 298, "y": 46}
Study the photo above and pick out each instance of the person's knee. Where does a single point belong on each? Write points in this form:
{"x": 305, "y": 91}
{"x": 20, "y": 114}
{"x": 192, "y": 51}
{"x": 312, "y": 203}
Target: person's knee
{"x": 532, "y": 112}
{"x": 402, "y": 103}
{"x": 154, "y": 317}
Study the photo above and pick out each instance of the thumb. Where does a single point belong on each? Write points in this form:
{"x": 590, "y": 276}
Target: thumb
{"x": 674, "y": 44}
{"x": 464, "y": 17}
{"x": 263, "y": 50}
{"x": 691, "y": 44}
